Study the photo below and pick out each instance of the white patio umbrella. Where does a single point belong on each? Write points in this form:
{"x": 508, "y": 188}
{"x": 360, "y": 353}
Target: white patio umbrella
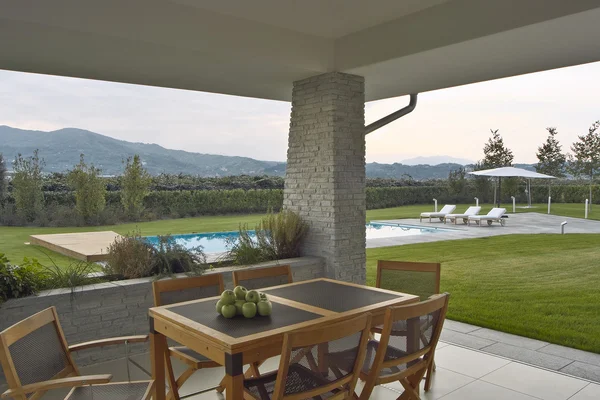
{"x": 513, "y": 172}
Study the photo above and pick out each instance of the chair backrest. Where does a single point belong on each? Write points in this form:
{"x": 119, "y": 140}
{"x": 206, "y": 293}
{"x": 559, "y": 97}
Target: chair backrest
{"x": 473, "y": 210}
{"x": 408, "y": 339}
{"x": 334, "y": 352}
{"x": 418, "y": 278}
{"x": 171, "y": 291}
{"x": 262, "y": 277}
{"x": 497, "y": 212}
{"x": 35, "y": 350}
{"x": 447, "y": 209}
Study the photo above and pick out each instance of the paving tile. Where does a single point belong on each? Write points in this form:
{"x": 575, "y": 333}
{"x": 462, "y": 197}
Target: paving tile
{"x": 459, "y": 326}
{"x": 379, "y": 392}
{"x": 441, "y": 345}
{"x": 480, "y": 390}
{"x": 573, "y": 354}
{"x": 536, "y": 382}
{"x": 443, "y": 382}
{"x": 583, "y": 370}
{"x": 465, "y": 339}
{"x": 513, "y": 340}
{"x": 528, "y": 356}
{"x": 590, "y": 392}
{"x": 467, "y": 362}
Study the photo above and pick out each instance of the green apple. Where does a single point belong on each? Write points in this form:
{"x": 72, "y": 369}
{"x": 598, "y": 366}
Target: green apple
{"x": 228, "y": 297}
{"x": 249, "y": 309}
{"x": 264, "y": 308}
{"x": 219, "y": 306}
{"x": 240, "y": 292}
{"x": 262, "y": 296}
{"x": 238, "y": 306}
{"x": 252, "y": 296}
{"x": 228, "y": 311}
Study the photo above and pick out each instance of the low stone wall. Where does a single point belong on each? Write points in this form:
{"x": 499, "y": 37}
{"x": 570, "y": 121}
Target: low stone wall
{"x": 118, "y": 308}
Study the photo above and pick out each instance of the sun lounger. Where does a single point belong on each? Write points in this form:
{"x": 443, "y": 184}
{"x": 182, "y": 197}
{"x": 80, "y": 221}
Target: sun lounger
{"x": 471, "y": 211}
{"x": 447, "y": 209}
{"x": 494, "y": 215}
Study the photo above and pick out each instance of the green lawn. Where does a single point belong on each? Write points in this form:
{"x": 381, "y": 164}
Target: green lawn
{"x": 540, "y": 286}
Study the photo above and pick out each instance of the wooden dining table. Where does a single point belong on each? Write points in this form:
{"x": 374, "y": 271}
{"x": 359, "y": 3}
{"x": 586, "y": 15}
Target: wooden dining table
{"x": 238, "y": 341}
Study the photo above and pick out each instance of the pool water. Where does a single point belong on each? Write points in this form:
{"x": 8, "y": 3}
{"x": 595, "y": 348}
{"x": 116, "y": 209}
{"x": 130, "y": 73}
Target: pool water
{"x": 217, "y": 242}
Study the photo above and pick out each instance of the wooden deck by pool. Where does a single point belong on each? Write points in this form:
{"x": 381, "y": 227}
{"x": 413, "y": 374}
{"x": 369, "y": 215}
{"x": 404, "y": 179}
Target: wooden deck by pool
{"x": 85, "y": 246}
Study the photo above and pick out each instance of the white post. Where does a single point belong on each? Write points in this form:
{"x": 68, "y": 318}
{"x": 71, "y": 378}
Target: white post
{"x": 549, "y": 202}
{"x": 435, "y": 205}
{"x": 476, "y": 201}
{"x": 514, "y": 206}
{"x": 562, "y": 227}
{"x": 586, "y": 207}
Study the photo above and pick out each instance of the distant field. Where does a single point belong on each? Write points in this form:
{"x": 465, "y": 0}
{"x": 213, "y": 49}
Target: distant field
{"x": 12, "y": 239}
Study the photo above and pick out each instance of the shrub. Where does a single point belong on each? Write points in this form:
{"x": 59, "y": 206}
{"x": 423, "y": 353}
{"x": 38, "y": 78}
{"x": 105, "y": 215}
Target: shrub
{"x": 281, "y": 234}
{"x": 244, "y": 249}
{"x": 27, "y": 186}
{"x": 135, "y": 184}
{"x": 132, "y": 256}
{"x": 76, "y": 274}
{"x": 129, "y": 256}
{"x": 89, "y": 190}
{"x": 170, "y": 258}
{"x": 277, "y": 236}
{"x": 20, "y": 280}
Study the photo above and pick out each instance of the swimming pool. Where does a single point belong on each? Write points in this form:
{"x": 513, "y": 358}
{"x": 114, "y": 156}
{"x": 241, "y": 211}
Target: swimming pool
{"x": 217, "y": 242}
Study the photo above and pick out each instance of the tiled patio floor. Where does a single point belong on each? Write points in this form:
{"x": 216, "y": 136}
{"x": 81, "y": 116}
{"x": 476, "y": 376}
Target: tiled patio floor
{"x": 462, "y": 373}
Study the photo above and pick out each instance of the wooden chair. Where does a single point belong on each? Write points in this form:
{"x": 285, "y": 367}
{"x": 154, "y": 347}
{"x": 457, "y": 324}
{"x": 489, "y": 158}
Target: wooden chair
{"x": 262, "y": 277}
{"x": 35, "y": 358}
{"x": 323, "y": 360}
{"x": 171, "y": 291}
{"x": 418, "y": 278}
{"x": 403, "y": 357}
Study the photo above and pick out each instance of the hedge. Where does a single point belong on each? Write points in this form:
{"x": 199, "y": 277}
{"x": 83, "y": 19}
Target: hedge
{"x": 186, "y": 203}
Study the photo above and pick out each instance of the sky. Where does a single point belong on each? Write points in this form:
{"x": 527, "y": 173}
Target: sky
{"x": 453, "y": 122}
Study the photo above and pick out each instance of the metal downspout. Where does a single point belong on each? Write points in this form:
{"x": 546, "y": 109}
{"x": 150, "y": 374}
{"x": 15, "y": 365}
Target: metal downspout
{"x": 393, "y": 116}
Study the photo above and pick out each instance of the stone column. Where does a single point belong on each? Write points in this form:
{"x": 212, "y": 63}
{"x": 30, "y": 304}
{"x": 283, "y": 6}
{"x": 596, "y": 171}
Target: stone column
{"x": 325, "y": 176}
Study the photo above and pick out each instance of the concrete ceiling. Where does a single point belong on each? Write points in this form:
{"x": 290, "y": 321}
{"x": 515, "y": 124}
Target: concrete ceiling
{"x": 258, "y": 48}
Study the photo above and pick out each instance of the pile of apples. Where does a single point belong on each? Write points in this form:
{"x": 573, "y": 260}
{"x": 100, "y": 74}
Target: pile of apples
{"x": 241, "y": 301}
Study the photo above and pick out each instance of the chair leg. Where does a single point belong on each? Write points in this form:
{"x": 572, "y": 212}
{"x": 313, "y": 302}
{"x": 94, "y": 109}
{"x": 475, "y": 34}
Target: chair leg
{"x": 173, "y": 386}
{"x": 367, "y": 389}
{"x": 250, "y": 372}
{"x": 179, "y": 383}
{"x": 430, "y": 372}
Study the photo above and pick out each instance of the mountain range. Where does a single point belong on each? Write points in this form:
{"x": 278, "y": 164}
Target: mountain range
{"x": 60, "y": 150}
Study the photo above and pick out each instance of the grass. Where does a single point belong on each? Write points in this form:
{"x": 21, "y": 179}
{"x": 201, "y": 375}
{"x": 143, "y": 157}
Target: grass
{"x": 540, "y": 286}
{"x": 12, "y": 239}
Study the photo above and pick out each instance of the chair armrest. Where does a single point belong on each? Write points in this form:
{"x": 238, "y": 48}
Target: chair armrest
{"x": 109, "y": 341}
{"x": 73, "y": 381}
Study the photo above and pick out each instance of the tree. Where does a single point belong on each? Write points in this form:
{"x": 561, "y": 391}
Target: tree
{"x": 90, "y": 190}
{"x": 457, "y": 181}
{"x": 135, "y": 186}
{"x": 551, "y": 160}
{"x": 2, "y": 179}
{"x": 495, "y": 153}
{"x": 585, "y": 160}
{"x": 482, "y": 184}
{"x": 27, "y": 186}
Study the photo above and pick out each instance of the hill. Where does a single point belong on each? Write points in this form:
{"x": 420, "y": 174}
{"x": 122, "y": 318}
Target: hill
{"x": 436, "y": 160}
{"x": 61, "y": 149}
